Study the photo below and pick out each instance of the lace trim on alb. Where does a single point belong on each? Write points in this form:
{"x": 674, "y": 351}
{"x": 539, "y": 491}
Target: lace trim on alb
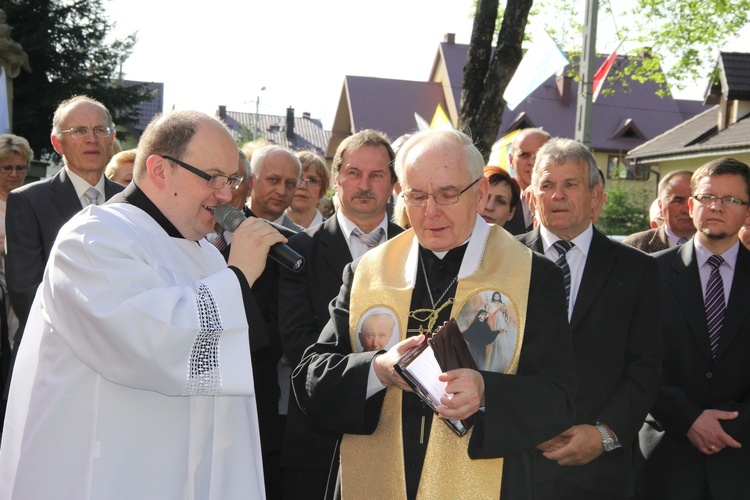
{"x": 204, "y": 376}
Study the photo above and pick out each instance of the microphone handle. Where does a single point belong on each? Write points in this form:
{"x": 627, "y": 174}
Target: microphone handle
{"x": 284, "y": 255}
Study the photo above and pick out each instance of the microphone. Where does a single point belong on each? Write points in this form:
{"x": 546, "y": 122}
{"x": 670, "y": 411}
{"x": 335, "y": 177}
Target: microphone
{"x": 230, "y": 219}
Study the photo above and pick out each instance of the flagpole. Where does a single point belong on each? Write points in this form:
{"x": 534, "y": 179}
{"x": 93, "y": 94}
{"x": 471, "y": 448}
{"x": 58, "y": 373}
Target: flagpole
{"x": 588, "y": 59}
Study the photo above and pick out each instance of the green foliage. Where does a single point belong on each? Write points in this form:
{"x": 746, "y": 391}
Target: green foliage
{"x": 677, "y": 40}
{"x": 623, "y": 212}
{"x": 68, "y": 55}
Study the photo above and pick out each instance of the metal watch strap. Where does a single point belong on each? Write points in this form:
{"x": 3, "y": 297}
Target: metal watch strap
{"x": 608, "y": 444}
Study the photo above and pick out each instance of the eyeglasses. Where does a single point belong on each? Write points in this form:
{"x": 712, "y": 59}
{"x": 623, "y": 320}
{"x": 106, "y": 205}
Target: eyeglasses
{"x": 314, "y": 181}
{"x": 215, "y": 181}
{"x": 709, "y": 199}
{"x": 78, "y": 132}
{"x": 7, "y": 169}
{"x": 444, "y": 196}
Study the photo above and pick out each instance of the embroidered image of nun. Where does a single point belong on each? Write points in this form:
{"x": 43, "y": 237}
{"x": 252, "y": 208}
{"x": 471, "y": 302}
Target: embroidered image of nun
{"x": 489, "y": 323}
{"x": 479, "y": 335}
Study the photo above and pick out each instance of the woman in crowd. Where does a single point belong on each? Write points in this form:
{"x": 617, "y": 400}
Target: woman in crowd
{"x": 312, "y": 187}
{"x": 504, "y": 196}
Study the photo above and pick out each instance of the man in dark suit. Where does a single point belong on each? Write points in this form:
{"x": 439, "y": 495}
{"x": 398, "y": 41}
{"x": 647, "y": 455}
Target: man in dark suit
{"x": 269, "y": 377}
{"x": 83, "y": 134}
{"x": 276, "y": 175}
{"x": 674, "y": 192}
{"x": 363, "y": 176}
{"x": 613, "y": 299}
{"x": 521, "y": 159}
{"x": 696, "y": 446}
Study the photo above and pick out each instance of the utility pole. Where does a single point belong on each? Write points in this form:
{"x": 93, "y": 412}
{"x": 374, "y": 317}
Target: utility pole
{"x": 585, "y": 86}
{"x": 257, "y": 107}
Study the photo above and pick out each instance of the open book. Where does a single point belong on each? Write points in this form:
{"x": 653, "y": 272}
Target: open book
{"x": 421, "y": 366}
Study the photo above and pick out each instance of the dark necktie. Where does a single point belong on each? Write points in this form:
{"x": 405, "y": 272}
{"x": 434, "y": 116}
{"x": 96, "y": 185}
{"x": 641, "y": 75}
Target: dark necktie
{"x": 562, "y": 248}
{"x": 715, "y": 307}
{"x": 220, "y": 243}
{"x": 370, "y": 239}
{"x": 681, "y": 241}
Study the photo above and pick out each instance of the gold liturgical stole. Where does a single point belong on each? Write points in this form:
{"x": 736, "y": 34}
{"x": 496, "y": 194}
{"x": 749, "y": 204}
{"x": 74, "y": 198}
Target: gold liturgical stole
{"x": 372, "y": 466}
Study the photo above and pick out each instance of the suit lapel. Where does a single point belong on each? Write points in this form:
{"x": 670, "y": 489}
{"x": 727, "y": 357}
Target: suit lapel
{"x": 599, "y": 263}
{"x": 660, "y": 241}
{"x": 63, "y": 195}
{"x": 334, "y": 248}
{"x": 737, "y": 307}
{"x": 686, "y": 286}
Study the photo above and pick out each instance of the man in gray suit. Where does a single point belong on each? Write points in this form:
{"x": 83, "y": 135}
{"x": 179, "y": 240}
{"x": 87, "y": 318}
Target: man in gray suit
{"x": 83, "y": 134}
{"x": 276, "y": 174}
{"x": 674, "y": 192}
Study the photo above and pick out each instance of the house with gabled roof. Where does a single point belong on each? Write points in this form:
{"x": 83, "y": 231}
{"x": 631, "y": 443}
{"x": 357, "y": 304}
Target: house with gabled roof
{"x": 622, "y": 121}
{"x": 292, "y": 132}
{"x": 721, "y": 130}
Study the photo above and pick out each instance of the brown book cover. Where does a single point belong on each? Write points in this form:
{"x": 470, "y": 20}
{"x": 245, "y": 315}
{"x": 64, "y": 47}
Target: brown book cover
{"x": 451, "y": 352}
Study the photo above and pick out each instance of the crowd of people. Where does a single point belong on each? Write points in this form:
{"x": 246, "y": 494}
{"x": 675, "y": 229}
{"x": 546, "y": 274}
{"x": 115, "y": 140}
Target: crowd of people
{"x": 149, "y": 351}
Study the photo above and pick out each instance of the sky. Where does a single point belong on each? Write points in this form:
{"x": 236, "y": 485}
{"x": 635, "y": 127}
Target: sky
{"x": 225, "y": 52}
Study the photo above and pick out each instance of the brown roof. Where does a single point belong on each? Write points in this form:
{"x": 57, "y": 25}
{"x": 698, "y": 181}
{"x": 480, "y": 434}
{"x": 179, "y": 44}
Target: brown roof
{"x": 697, "y": 136}
{"x": 733, "y": 77}
{"x": 700, "y": 136}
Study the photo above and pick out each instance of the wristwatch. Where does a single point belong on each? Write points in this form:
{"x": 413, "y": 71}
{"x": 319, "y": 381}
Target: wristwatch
{"x": 608, "y": 444}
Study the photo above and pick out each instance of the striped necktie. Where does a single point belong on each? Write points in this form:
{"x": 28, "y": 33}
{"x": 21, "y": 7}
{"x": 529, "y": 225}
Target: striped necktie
{"x": 220, "y": 243}
{"x": 370, "y": 239}
{"x": 715, "y": 306}
{"x": 562, "y": 248}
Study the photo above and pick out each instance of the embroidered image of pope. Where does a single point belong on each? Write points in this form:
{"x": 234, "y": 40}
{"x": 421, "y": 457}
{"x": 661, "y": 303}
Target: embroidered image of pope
{"x": 376, "y": 330}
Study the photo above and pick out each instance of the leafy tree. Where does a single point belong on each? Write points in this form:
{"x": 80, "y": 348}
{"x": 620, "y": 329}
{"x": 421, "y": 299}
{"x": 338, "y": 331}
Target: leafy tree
{"x": 68, "y": 55}
{"x": 688, "y": 33}
{"x": 623, "y": 212}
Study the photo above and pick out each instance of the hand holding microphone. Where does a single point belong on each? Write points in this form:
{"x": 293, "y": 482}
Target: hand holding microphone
{"x": 230, "y": 219}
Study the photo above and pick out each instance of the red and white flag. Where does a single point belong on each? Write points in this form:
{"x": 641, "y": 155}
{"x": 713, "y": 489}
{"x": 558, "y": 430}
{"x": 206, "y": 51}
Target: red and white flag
{"x": 602, "y": 72}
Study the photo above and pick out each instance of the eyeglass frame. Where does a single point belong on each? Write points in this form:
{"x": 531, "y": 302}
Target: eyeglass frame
{"x": 310, "y": 181}
{"x": 710, "y": 199}
{"x": 8, "y": 169}
{"x": 206, "y": 176}
{"x": 404, "y": 195}
{"x": 77, "y": 132}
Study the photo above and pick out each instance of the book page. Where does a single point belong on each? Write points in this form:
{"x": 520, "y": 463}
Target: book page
{"x": 426, "y": 370}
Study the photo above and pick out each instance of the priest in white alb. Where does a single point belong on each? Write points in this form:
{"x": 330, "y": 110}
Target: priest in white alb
{"x": 134, "y": 379}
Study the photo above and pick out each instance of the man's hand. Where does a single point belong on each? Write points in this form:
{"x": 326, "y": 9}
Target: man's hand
{"x": 578, "y": 445}
{"x": 383, "y": 363}
{"x": 708, "y": 436}
{"x": 250, "y": 244}
{"x": 466, "y": 394}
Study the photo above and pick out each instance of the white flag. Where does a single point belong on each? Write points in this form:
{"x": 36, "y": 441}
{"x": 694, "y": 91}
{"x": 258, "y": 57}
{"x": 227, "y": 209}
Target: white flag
{"x": 4, "y": 111}
{"x": 541, "y": 61}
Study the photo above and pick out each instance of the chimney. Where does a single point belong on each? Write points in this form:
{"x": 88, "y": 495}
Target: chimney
{"x": 306, "y": 115}
{"x": 449, "y": 38}
{"x": 290, "y": 123}
{"x": 563, "y": 88}
{"x": 222, "y": 112}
